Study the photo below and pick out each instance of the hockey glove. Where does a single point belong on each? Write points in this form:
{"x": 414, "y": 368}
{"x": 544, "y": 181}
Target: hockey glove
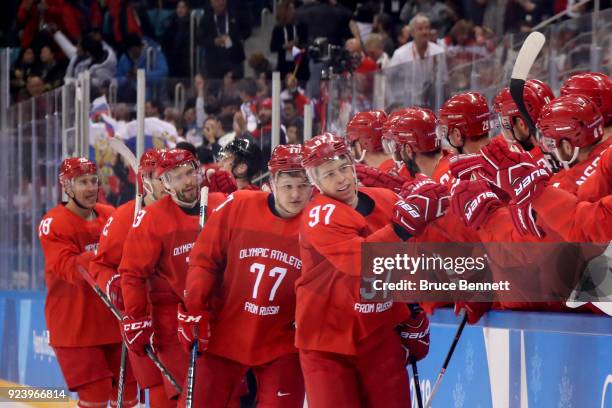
{"x": 220, "y": 181}
{"x": 414, "y": 332}
{"x": 192, "y": 327}
{"x": 473, "y": 201}
{"x": 463, "y": 165}
{"x": 516, "y": 173}
{"x": 524, "y": 219}
{"x": 474, "y": 310}
{"x": 373, "y": 177}
{"x": 137, "y": 333}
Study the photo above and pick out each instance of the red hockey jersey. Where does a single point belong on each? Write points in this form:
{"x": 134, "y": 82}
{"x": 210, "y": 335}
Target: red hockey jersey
{"x": 247, "y": 258}
{"x": 330, "y": 315}
{"x": 156, "y": 254}
{"x": 75, "y": 316}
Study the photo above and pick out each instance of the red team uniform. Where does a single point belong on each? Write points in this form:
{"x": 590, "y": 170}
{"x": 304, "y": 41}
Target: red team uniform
{"x": 106, "y": 264}
{"x": 83, "y": 332}
{"x": 243, "y": 270}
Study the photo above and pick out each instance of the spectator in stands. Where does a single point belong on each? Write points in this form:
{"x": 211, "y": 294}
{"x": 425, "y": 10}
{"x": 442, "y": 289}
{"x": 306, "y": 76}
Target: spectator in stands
{"x": 222, "y": 34}
{"x": 248, "y": 94}
{"x": 189, "y": 127}
{"x": 51, "y": 70}
{"x": 439, "y": 14}
{"x": 361, "y": 25}
{"x": 362, "y": 64}
{"x": 522, "y": 15}
{"x": 90, "y": 54}
{"x": 36, "y": 14}
{"x": 294, "y": 134}
{"x": 465, "y": 43}
{"x": 322, "y": 20}
{"x": 383, "y": 26}
{"x": 238, "y": 130}
{"x": 420, "y": 47}
{"x": 393, "y": 9}
{"x": 263, "y": 133}
{"x": 420, "y": 53}
{"x": 152, "y": 109}
{"x": 171, "y": 115}
{"x": 295, "y": 94}
{"x": 290, "y": 115}
{"x": 374, "y": 48}
{"x": 35, "y": 86}
{"x": 140, "y": 54}
{"x": 286, "y": 35}
{"x": 175, "y": 41}
{"x": 128, "y": 18}
{"x": 403, "y": 36}
{"x": 22, "y": 69}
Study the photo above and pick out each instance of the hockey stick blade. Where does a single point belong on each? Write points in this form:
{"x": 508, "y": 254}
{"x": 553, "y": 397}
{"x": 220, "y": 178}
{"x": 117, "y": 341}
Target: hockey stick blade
{"x": 524, "y": 61}
{"x": 122, "y": 150}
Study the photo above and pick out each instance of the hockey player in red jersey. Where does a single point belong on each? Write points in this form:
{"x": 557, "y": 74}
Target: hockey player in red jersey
{"x": 243, "y": 159}
{"x": 344, "y": 342}
{"x": 572, "y": 129}
{"x": 374, "y": 167}
{"x": 83, "y": 332}
{"x": 241, "y": 279}
{"x": 104, "y": 267}
{"x": 364, "y": 132}
{"x": 465, "y": 120}
{"x": 595, "y": 86}
{"x": 153, "y": 267}
{"x": 514, "y": 127}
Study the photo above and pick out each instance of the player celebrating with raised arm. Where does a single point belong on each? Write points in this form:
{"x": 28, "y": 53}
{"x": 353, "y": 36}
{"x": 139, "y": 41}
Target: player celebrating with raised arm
{"x": 104, "y": 267}
{"x": 241, "y": 279}
{"x": 83, "y": 332}
{"x": 344, "y": 349}
{"x": 154, "y": 264}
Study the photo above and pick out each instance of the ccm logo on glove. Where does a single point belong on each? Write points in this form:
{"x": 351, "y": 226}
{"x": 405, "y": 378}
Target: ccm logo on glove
{"x": 137, "y": 325}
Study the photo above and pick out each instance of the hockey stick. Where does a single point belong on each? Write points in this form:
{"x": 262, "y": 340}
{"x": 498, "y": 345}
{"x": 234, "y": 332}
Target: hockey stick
{"x": 447, "y": 360}
{"x": 417, "y": 383}
{"x": 117, "y": 314}
{"x": 524, "y": 61}
{"x": 124, "y": 350}
{"x": 122, "y": 150}
{"x": 194, "y": 347}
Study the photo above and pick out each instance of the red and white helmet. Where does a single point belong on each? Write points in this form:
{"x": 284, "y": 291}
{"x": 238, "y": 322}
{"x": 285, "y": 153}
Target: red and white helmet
{"x": 322, "y": 148}
{"x": 173, "y": 158}
{"x": 286, "y": 158}
{"x": 366, "y": 128}
{"x": 574, "y": 118}
{"x": 506, "y": 108}
{"x": 73, "y": 167}
{"x": 416, "y": 127}
{"x": 594, "y": 85}
{"x": 467, "y": 112}
{"x": 542, "y": 88}
{"x": 146, "y": 168}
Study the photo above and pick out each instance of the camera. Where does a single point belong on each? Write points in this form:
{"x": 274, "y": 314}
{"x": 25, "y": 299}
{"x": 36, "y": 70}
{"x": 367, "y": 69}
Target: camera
{"x": 335, "y": 59}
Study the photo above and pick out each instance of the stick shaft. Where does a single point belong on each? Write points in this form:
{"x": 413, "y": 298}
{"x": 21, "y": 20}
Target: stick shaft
{"x": 417, "y": 383}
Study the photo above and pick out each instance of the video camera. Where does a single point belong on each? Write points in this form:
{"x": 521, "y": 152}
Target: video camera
{"x": 335, "y": 58}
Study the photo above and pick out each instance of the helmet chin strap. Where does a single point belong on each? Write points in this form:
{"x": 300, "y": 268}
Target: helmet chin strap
{"x": 73, "y": 198}
{"x": 567, "y": 163}
{"x": 363, "y": 154}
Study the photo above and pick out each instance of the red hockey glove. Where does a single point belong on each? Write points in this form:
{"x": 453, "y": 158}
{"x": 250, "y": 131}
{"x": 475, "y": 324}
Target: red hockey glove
{"x": 474, "y": 310}
{"x": 113, "y": 291}
{"x": 463, "y": 165}
{"x": 433, "y": 197}
{"x": 220, "y": 181}
{"x": 515, "y": 172}
{"x": 524, "y": 219}
{"x": 473, "y": 201}
{"x": 137, "y": 333}
{"x": 415, "y": 333}
{"x": 373, "y": 177}
{"x": 192, "y": 327}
